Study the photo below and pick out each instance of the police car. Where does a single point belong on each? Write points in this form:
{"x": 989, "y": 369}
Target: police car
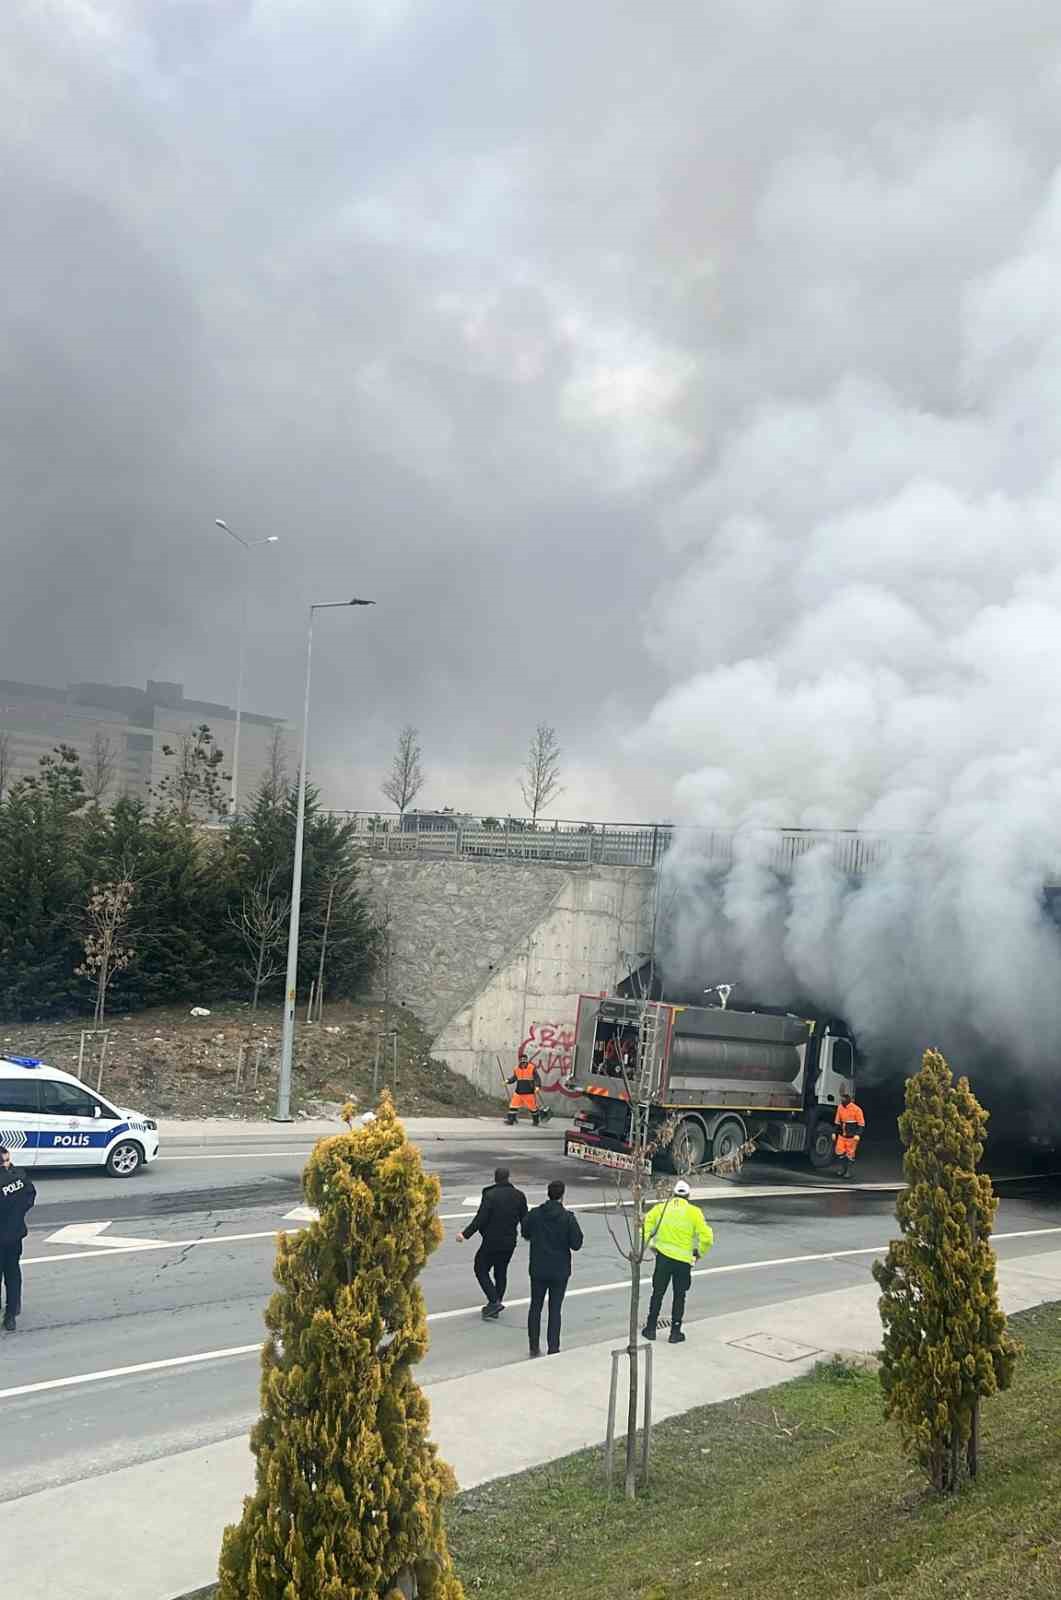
{"x": 50, "y": 1119}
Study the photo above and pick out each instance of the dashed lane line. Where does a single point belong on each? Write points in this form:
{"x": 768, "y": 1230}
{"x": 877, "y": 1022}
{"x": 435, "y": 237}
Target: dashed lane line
{"x": 171, "y": 1362}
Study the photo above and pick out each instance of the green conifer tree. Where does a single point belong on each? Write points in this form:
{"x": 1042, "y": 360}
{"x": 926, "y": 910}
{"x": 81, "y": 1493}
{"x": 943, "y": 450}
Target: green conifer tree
{"x": 945, "y": 1339}
{"x": 348, "y": 1504}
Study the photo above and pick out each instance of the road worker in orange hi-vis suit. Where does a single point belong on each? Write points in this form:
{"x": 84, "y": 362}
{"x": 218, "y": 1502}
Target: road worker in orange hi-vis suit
{"x": 524, "y": 1092}
{"x": 850, "y": 1126}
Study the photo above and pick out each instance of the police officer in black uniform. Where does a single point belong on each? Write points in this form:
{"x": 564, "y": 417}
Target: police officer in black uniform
{"x": 501, "y": 1210}
{"x": 17, "y": 1197}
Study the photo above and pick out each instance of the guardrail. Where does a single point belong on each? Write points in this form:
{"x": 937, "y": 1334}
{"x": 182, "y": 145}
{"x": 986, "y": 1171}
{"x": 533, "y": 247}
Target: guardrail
{"x": 511, "y": 839}
{"x": 443, "y": 835}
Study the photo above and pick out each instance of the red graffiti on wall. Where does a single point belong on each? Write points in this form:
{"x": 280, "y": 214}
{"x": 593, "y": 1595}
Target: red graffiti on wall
{"x": 551, "y": 1044}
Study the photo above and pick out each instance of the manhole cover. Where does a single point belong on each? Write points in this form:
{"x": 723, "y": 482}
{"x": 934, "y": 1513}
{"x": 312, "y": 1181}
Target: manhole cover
{"x": 768, "y": 1344}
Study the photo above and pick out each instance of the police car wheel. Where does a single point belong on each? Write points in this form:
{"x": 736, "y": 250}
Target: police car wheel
{"x": 125, "y": 1159}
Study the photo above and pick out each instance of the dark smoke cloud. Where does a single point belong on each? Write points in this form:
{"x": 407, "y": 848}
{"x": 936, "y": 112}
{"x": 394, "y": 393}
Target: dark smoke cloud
{"x": 685, "y": 376}
{"x": 862, "y": 630}
{"x": 280, "y": 263}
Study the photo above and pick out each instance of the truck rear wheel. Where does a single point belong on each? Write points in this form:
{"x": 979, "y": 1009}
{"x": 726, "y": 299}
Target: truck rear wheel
{"x": 820, "y": 1149}
{"x": 688, "y": 1148}
{"x": 728, "y": 1138}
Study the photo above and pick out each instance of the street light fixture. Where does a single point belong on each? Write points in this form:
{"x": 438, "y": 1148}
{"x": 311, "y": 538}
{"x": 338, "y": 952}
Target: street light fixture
{"x": 247, "y": 544}
{"x": 283, "y": 1089}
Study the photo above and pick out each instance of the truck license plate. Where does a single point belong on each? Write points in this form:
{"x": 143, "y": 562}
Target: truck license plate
{"x": 617, "y": 1160}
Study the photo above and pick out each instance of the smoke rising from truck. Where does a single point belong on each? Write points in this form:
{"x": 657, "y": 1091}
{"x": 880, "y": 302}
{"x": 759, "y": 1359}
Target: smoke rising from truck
{"x": 862, "y": 617}
{"x": 945, "y": 942}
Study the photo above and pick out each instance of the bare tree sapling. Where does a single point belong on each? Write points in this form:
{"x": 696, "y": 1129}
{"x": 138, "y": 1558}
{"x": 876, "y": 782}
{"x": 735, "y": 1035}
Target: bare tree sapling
{"x": 632, "y": 1204}
{"x": 540, "y": 783}
{"x": 261, "y": 923}
{"x": 406, "y": 778}
{"x": 106, "y": 922}
{"x": 274, "y": 779}
{"x": 100, "y": 768}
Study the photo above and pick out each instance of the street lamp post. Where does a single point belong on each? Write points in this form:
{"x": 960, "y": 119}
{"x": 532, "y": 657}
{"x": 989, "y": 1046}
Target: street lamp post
{"x": 283, "y": 1089}
{"x": 248, "y": 544}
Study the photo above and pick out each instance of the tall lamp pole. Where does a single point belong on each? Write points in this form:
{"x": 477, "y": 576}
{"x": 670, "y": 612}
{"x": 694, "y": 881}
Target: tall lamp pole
{"x": 287, "y": 1044}
{"x": 248, "y": 544}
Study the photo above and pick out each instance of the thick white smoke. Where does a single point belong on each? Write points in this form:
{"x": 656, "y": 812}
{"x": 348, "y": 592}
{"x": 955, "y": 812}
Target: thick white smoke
{"x": 863, "y": 621}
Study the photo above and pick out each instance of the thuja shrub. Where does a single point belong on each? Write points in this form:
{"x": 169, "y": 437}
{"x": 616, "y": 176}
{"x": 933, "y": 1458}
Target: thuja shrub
{"x": 945, "y": 1340}
{"x": 350, "y": 1489}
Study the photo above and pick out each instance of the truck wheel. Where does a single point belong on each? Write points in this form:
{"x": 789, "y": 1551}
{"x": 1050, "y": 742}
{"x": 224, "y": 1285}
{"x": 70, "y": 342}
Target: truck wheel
{"x": 821, "y": 1145}
{"x": 689, "y": 1146}
{"x": 728, "y": 1138}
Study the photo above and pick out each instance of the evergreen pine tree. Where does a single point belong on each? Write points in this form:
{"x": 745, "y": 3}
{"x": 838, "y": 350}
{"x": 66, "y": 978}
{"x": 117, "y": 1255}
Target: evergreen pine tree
{"x": 42, "y": 889}
{"x": 945, "y": 1339}
{"x": 348, "y": 1504}
{"x": 261, "y": 845}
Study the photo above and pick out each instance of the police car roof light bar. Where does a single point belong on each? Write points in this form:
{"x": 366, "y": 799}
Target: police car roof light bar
{"x": 22, "y": 1061}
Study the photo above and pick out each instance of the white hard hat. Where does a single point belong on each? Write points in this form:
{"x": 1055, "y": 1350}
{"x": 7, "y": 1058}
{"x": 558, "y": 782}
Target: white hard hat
{"x": 682, "y": 1188}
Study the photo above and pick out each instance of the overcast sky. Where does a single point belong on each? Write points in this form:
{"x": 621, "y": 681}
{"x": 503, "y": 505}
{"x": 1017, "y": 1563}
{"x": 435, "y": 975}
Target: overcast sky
{"x": 684, "y": 375}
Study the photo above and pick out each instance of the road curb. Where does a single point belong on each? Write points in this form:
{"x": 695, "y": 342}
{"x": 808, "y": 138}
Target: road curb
{"x": 174, "y": 1136}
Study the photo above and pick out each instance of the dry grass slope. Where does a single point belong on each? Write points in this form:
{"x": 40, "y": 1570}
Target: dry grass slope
{"x": 171, "y": 1064}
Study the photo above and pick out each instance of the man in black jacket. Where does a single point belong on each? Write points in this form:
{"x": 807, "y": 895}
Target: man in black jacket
{"x": 553, "y": 1233}
{"x": 17, "y": 1196}
{"x": 501, "y": 1210}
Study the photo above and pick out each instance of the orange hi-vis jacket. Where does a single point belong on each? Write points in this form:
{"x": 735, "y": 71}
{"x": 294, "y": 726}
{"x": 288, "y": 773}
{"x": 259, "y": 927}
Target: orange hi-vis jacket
{"x": 524, "y": 1096}
{"x": 850, "y": 1125}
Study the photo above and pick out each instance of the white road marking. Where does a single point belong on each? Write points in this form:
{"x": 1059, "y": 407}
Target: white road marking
{"x": 240, "y": 1155}
{"x": 171, "y": 1362}
{"x": 302, "y": 1214}
{"x": 127, "y": 1372}
{"x": 130, "y": 1247}
{"x": 149, "y": 1244}
{"x": 92, "y": 1233}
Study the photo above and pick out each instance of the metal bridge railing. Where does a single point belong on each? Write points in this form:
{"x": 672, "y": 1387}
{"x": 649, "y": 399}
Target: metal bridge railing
{"x": 439, "y": 835}
{"x": 442, "y": 835}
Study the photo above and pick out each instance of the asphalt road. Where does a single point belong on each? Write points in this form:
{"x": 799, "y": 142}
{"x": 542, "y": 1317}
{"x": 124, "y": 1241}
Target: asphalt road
{"x": 183, "y": 1302}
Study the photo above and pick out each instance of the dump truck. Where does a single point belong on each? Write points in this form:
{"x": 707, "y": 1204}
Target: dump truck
{"x": 718, "y": 1077}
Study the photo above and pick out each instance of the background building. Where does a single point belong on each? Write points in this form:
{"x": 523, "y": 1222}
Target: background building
{"x": 119, "y": 732}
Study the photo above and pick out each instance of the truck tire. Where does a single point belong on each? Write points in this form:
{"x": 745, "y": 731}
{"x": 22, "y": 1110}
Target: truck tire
{"x": 820, "y": 1146}
{"x": 688, "y": 1148}
{"x": 728, "y": 1138}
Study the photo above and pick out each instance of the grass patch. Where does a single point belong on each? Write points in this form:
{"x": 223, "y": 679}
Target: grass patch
{"x": 800, "y": 1492}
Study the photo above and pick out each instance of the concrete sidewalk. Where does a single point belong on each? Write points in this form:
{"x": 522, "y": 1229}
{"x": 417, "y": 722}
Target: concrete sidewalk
{"x": 421, "y": 1130}
{"x": 172, "y": 1511}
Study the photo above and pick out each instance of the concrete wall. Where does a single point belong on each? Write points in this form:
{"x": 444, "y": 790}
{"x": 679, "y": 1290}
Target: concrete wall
{"x": 492, "y": 956}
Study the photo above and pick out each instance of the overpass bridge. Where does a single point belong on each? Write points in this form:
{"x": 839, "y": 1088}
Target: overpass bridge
{"x": 494, "y": 926}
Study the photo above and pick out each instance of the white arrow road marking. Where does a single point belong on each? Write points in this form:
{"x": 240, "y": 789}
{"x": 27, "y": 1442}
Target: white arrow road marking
{"x": 302, "y": 1214}
{"x": 92, "y": 1233}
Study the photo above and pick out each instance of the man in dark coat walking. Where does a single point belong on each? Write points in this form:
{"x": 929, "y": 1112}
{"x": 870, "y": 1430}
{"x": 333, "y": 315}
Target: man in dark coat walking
{"x": 17, "y": 1196}
{"x": 553, "y": 1233}
{"x": 501, "y": 1210}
